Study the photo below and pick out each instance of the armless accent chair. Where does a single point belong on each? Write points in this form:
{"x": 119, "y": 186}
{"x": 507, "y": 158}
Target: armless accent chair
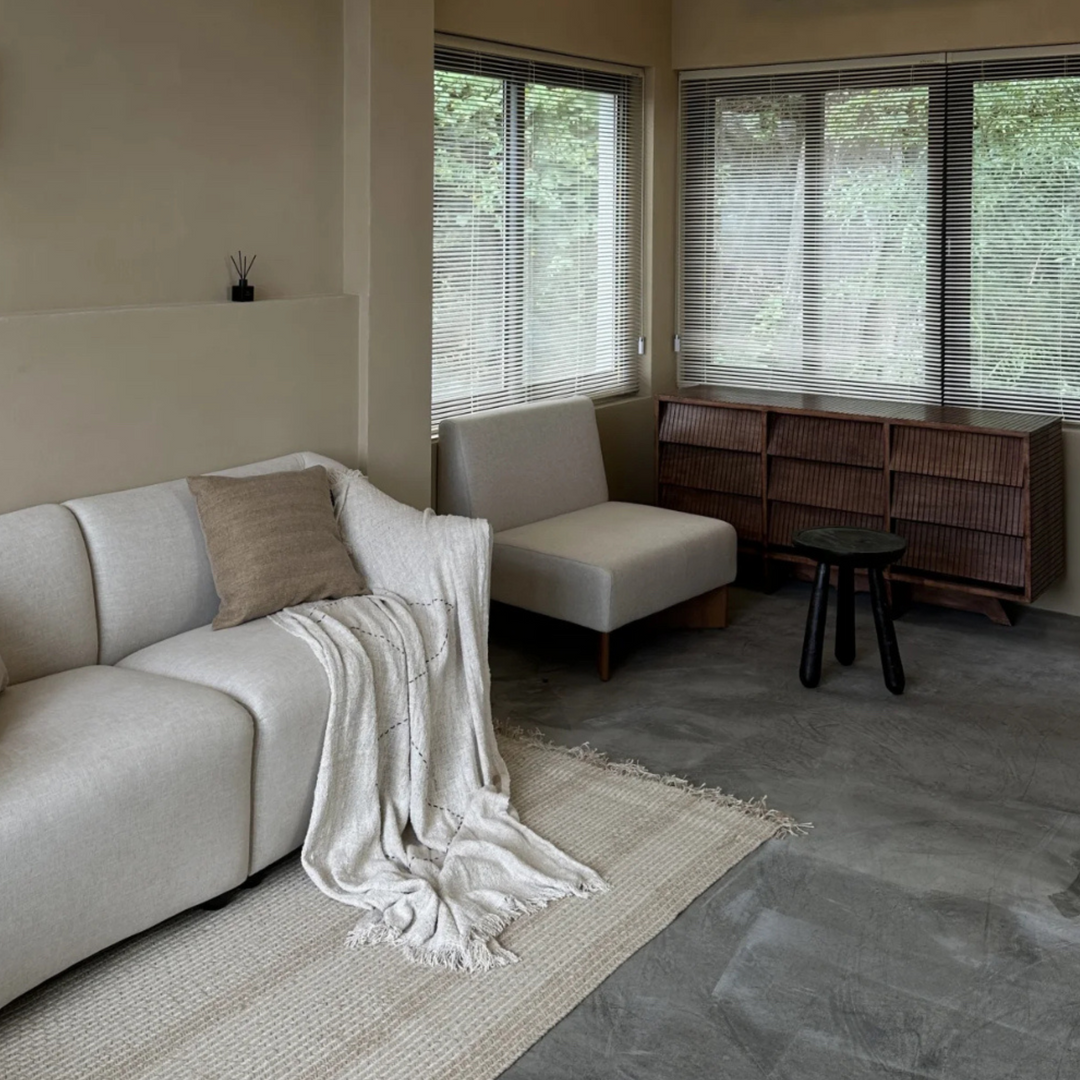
{"x": 561, "y": 547}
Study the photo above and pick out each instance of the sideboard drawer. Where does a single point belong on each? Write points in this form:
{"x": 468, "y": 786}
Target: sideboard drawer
{"x": 722, "y": 429}
{"x": 939, "y": 500}
{"x": 962, "y": 553}
{"x": 964, "y": 455}
{"x": 822, "y": 438}
{"x": 818, "y": 483}
{"x": 786, "y": 519}
{"x": 714, "y": 470}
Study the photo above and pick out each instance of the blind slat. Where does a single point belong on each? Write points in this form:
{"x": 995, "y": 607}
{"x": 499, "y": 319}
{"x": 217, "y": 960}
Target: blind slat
{"x": 537, "y": 261}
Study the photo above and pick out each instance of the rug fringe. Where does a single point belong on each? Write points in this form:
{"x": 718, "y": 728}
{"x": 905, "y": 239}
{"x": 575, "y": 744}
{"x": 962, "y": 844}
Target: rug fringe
{"x": 756, "y": 808}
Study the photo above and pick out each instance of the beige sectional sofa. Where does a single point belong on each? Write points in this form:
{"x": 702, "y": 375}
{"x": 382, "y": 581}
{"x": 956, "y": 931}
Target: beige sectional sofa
{"x": 147, "y": 764}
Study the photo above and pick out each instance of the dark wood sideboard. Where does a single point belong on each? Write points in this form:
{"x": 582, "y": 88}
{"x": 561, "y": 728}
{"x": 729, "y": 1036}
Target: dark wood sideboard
{"x": 978, "y": 495}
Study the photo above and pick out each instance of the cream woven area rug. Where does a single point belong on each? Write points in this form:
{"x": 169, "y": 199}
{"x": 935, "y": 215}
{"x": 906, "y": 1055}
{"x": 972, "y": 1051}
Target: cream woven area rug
{"x": 266, "y": 988}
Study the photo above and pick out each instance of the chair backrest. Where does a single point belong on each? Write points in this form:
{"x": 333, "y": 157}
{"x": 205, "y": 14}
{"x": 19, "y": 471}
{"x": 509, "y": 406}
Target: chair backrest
{"x": 522, "y": 464}
{"x": 150, "y": 569}
{"x": 47, "y": 618}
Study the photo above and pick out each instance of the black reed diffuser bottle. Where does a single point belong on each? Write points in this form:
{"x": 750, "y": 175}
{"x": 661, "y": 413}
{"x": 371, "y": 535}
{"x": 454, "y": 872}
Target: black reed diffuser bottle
{"x": 242, "y": 292}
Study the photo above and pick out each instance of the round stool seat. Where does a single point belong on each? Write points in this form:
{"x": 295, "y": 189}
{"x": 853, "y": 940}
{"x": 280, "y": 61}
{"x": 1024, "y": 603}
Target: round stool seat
{"x": 863, "y": 549}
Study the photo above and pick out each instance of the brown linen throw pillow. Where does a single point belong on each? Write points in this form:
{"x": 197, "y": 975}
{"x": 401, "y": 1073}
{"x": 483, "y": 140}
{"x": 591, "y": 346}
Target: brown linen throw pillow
{"x": 273, "y": 541}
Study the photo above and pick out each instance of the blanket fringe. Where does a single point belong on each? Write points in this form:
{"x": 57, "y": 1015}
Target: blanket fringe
{"x": 482, "y": 952}
{"x": 756, "y": 808}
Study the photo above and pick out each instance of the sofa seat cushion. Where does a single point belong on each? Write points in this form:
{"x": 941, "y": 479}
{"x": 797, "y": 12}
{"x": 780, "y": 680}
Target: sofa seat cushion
{"x": 278, "y": 679}
{"x": 124, "y": 799}
{"x": 609, "y": 564}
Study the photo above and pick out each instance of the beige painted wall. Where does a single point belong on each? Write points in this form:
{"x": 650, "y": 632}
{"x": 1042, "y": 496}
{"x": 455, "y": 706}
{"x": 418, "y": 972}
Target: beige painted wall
{"x": 102, "y": 400}
{"x": 140, "y": 142}
{"x": 620, "y": 31}
{"x": 715, "y": 33}
{"x": 635, "y": 32}
{"x": 399, "y": 240}
{"x": 388, "y": 159}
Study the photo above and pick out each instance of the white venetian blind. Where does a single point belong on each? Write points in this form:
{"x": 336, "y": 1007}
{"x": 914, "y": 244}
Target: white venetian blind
{"x": 810, "y": 230}
{"x": 1012, "y": 302}
{"x": 537, "y": 260}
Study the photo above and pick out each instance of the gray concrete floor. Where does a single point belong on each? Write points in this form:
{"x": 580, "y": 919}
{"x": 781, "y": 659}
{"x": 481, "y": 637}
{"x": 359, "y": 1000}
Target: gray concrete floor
{"x": 928, "y": 927}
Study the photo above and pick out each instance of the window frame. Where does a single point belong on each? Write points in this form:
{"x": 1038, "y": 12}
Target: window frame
{"x": 464, "y": 56}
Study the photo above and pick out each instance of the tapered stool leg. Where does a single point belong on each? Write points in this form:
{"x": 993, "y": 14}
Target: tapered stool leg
{"x": 891, "y": 666}
{"x": 814, "y": 641}
{"x": 845, "y": 614}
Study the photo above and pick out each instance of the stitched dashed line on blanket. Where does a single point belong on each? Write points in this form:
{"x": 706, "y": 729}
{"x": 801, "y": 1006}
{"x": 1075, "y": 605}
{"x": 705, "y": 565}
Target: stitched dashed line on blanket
{"x": 423, "y": 858}
{"x": 447, "y": 810}
{"x": 432, "y": 603}
{"x": 428, "y": 660}
{"x": 397, "y": 648}
{"x": 380, "y": 637}
{"x": 393, "y": 727}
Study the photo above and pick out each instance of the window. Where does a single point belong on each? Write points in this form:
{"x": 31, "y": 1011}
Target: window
{"x": 1013, "y": 263}
{"x": 909, "y": 232}
{"x": 808, "y": 219}
{"x": 537, "y": 261}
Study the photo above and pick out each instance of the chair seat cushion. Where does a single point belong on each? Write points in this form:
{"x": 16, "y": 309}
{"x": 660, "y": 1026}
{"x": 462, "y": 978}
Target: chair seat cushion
{"x": 125, "y": 798}
{"x": 612, "y": 563}
{"x": 278, "y": 679}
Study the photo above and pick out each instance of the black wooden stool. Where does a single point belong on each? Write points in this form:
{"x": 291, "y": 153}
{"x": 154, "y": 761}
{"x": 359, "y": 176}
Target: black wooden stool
{"x": 849, "y": 550}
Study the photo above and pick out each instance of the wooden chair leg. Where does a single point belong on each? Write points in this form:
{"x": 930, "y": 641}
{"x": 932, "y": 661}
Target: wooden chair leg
{"x": 706, "y": 612}
{"x": 603, "y": 659}
{"x": 718, "y": 604}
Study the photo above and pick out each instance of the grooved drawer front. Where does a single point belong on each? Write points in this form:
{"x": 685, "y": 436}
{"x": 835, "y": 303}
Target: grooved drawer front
{"x": 788, "y": 518}
{"x": 705, "y": 425}
{"x": 963, "y": 503}
{"x": 848, "y": 442}
{"x": 987, "y": 459}
{"x": 715, "y": 470}
{"x": 963, "y": 553}
{"x": 738, "y": 510}
{"x": 838, "y": 487}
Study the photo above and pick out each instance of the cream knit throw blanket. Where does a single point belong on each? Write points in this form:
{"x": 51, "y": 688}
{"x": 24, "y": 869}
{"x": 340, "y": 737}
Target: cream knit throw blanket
{"x": 412, "y": 821}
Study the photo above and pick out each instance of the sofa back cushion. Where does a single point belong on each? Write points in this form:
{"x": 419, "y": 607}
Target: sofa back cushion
{"x": 522, "y": 464}
{"x": 151, "y": 572}
{"x": 47, "y": 620}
